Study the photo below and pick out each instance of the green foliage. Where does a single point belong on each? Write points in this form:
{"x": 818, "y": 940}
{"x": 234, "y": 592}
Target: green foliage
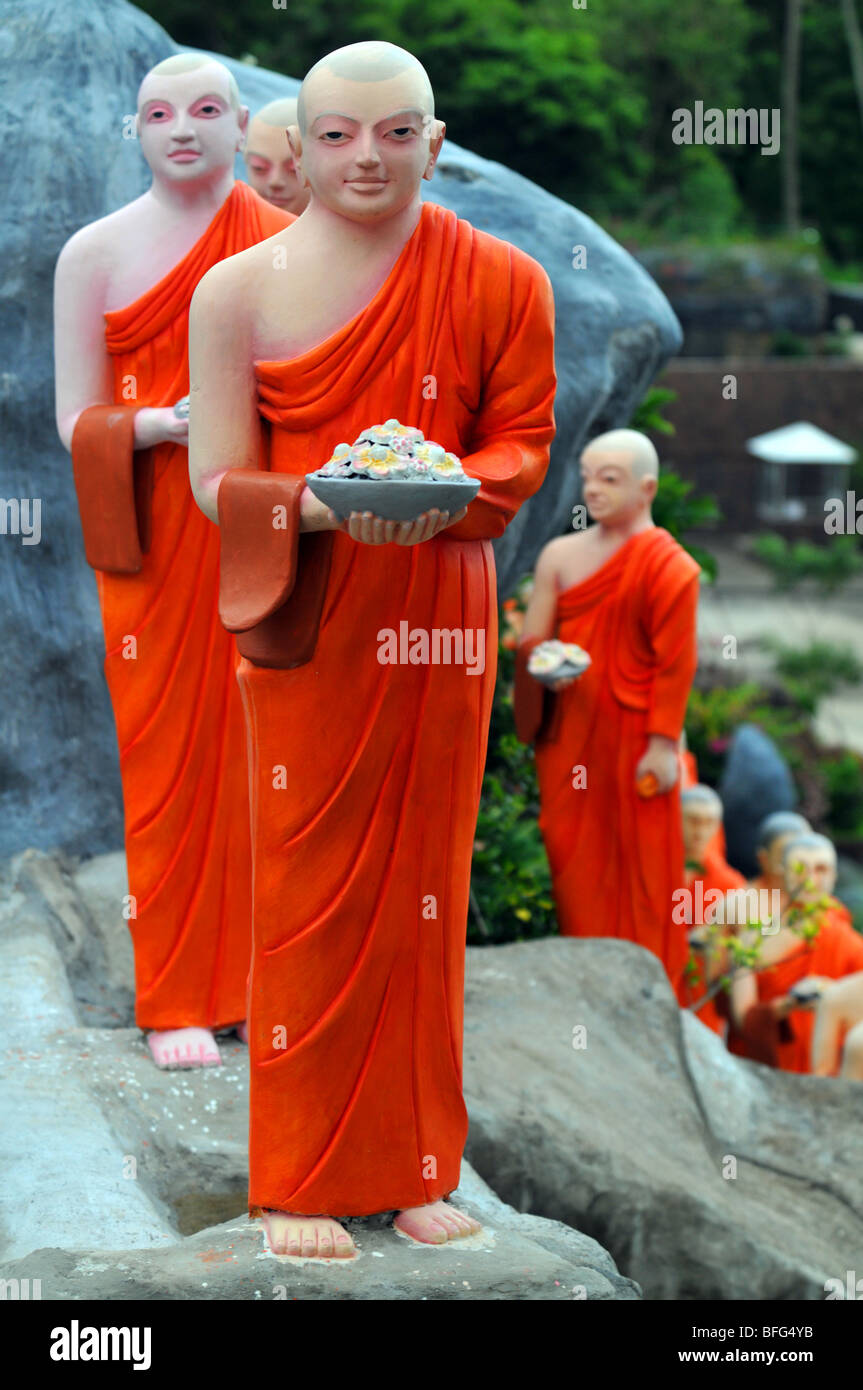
{"x": 843, "y": 776}
{"x": 829, "y": 780}
{"x": 812, "y": 672}
{"x": 582, "y": 101}
{"x": 792, "y": 562}
{"x": 788, "y": 344}
{"x": 714, "y": 713}
{"x": 510, "y": 880}
{"x": 648, "y": 414}
{"x": 675, "y": 508}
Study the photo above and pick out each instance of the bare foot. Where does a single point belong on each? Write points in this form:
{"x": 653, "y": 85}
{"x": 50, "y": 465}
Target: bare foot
{"x": 184, "y": 1047}
{"x": 308, "y": 1236}
{"x": 436, "y": 1223}
{"x": 243, "y": 1033}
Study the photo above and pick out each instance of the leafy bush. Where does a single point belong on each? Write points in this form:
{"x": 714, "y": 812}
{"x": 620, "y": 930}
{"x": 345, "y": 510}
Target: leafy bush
{"x": 510, "y": 881}
{"x": 829, "y": 781}
{"x": 714, "y": 712}
{"x": 843, "y": 776}
{"x": 648, "y": 413}
{"x": 830, "y": 565}
{"x": 676, "y": 509}
{"x": 810, "y": 673}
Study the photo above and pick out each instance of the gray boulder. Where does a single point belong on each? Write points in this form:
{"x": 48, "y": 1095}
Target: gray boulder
{"x": 755, "y": 783}
{"x": 617, "y": 1134}
{"x": 120, "y": 1181}
{"x": 705, "y": 1177}
{"x": 75, "y": 69}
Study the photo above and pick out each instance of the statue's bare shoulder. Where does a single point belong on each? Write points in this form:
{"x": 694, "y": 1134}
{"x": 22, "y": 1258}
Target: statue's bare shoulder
{"x": 566, "y": 560}
{"x": 91, "y": 244}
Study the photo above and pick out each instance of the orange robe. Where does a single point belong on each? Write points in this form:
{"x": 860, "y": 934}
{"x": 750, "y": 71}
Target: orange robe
{"x": 836, "y": 951}
{"x": 362, "y": 848}
{"x": 716, "y": 876}
{"x": 616, "y": 857}
{"x": 176, "y": 705}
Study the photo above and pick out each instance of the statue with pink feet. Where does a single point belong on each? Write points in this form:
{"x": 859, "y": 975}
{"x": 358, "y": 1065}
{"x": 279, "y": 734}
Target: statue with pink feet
{"x": 122, "y": 293}
{"x": 402, "y": 365}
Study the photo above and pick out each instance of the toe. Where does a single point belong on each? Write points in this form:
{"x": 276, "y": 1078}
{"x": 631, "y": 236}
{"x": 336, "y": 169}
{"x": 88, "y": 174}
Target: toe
{"x": 325, "y": 1245}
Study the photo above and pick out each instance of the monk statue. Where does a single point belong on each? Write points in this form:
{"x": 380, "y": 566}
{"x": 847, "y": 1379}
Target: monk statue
{"x": 701, "y": 818}
{"x": 837, "y": 1034}
{"x": 365, "y": 775}
{"x": 269, "y": 159}
{"x": 707, "y": 879}
{"x": 123, "y": 289}
{"x": 774, "y": 834}
{"x": 607, "y": 740}
{"x": 773, "y": 1006}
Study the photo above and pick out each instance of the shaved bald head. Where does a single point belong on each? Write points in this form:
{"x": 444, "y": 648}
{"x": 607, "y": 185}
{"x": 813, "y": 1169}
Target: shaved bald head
{"x": 810, "y": 845}
{"x": 635, "y": 447}
{"x": 281, "y": 113}
{"x": 190, "y": 62}
{"x": 365, "y": 62}
{"x": 703, "y": 796}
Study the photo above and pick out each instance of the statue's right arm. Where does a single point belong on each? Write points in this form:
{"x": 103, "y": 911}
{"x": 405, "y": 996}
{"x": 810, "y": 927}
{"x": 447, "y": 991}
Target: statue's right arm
{"x": 224, "y": 430}
{"x": 539, "y": 619}
{"x": 82, "y": 368}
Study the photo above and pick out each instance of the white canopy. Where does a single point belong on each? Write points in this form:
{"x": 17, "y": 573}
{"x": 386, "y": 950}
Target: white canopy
{"x": 800, "y": 443}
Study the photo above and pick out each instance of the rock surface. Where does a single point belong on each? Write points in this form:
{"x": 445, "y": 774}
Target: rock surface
{"x": 120, "y": 1181}
{"x": 755, "y": 782}
{"x": 75, "y": 69}
{"x": 604, "y": 1120}
{"x": 705, "y": 1176}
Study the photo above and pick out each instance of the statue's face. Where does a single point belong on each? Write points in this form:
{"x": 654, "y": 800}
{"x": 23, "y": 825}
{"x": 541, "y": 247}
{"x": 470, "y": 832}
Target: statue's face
{"x": 814, "y": 865}
{"x": 613, "y": 491}
{"x": 271, "y": 169}
{"x": 188, "y": 129}
{"x": 366, "y": 147}
{"x": 772, "y": 859}
{"x": 700, "y": 824}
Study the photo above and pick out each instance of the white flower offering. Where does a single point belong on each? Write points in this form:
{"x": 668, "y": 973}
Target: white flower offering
{"x": 393, "y": 471}
{"x": 392, "y": 450}
{"x": 554, "y": 660}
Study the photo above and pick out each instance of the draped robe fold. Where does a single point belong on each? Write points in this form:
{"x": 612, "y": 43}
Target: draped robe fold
{"x": 365, "y": 776}
{"x": 836, "y": 951}
{"x": 176, "y": 706}
{"x": 616, "y": 857}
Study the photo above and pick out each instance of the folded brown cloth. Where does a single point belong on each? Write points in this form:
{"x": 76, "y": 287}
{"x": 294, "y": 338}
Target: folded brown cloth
{"x": 536, "y": 708}
{"x": 273, "y": 577}
{"x": 114, "y": 486}
{"x": 762, "y": 1032}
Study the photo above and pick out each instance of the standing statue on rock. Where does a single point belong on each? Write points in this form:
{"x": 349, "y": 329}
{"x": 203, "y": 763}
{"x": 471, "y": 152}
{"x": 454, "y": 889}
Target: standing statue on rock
{"x": 122, "y": 294}
{"x": 365, "y": 772}
{"x": 607, "y": 740}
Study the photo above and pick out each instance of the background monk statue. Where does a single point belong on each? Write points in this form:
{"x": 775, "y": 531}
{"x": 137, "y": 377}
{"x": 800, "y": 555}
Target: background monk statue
{"x": 269, "y": 159}
{"x": 775, "y": 832}
{"x": 837, "y": 1034}
{"x": 772, "y": 1008}
{"x": 123, "y": 289}
{"x": 366, "y": 777}
{"x": 707, "y": 878}
{"x": 627, "y": 593}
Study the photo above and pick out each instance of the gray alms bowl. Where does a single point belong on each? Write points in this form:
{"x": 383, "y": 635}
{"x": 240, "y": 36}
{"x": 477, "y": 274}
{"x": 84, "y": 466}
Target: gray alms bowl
{"x": 395, "y": 499}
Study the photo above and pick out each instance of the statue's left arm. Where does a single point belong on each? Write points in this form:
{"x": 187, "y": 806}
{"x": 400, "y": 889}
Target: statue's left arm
{"x": 514, "y": 427}
{"x": 224, "y": 429}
